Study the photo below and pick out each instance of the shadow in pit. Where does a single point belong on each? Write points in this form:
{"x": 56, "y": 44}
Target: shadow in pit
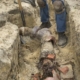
{"x": 14, "y": 17}
{"x": 15, "y": 11}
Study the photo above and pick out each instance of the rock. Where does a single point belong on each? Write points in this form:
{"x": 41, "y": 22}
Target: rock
{"x": 3, "y": 19}
{"x": 24, "y": 31}
{"x": 5, "y": 65}
{"x": 68, "y": 74}
{"x": 9, "y": 41}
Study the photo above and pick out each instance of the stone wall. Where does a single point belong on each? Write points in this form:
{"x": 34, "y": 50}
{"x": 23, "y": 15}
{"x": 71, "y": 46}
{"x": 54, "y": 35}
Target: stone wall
{"x": 9, "y": 40}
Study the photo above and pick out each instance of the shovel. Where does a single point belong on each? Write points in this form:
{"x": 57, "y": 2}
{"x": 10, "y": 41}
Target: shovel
{"x": 23, "y": 19}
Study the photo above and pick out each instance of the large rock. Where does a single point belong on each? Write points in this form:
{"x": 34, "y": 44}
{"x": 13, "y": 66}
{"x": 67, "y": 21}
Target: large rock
{"x": 9, "y": 40}
{"x": 3, "y": 19}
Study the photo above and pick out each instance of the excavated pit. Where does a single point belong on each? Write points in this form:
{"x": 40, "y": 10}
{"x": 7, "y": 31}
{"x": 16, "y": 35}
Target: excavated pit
{"x": 28, "y": 54}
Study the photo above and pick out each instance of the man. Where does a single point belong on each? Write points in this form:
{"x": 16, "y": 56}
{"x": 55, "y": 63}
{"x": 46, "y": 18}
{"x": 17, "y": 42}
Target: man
{"x": 60, "y": 16}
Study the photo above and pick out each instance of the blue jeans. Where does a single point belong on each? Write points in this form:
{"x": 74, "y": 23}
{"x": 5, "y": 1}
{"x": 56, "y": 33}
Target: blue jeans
{"x": 60, "y": 18}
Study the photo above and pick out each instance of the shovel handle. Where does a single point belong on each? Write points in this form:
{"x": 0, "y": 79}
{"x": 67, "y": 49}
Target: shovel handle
{"x": 20, "y": 6}
{"x": 22, "y": 13}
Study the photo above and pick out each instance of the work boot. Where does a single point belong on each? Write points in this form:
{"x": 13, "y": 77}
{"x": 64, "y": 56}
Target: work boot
{"x": 45, "y": 25}
{"x": 62, "y": 39}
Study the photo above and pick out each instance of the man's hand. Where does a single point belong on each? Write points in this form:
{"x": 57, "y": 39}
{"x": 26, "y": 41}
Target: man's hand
{"x": 41, "y": 3}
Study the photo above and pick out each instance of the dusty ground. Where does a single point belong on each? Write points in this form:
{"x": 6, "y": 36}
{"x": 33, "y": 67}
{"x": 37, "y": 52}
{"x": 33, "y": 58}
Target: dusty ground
{"x": 29, "y": 53}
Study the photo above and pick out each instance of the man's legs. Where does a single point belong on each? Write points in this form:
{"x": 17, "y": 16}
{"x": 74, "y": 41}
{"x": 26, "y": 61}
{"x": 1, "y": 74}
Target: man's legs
{"x": 61, "y": 22}
{"x": 44, "y": 14}
{"x": 61, "y": 26}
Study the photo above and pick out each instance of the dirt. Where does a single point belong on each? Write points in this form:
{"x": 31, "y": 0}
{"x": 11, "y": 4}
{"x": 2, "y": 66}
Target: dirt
{"x": 32, "y": 52}
{"x": 30, "y": 56}
{"x": 65, "y": 55}
{"x": 29, "y": 53}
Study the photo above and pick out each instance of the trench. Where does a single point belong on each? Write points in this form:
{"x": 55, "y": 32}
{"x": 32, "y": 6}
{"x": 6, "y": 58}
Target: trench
{"x": 29, "y": 52}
